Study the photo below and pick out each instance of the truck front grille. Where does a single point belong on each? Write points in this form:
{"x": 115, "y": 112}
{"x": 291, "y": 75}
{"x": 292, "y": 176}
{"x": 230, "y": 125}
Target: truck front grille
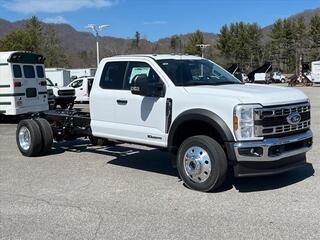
{"x": 272, "y": 121}
{"x": 70, "y": 92}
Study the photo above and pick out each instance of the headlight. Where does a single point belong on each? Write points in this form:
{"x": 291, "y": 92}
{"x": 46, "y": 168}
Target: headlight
{"x": 243, "y": 122}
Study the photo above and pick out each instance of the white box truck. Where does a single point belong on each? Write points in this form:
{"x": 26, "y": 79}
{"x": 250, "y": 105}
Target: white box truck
{"x": 315, "y": 71}
{"x": 23, "y": 86}
{"x": 60, "y": 77}
{"x": 82, "y": 72}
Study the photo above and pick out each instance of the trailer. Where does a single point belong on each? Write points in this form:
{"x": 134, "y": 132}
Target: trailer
{"x": 236, "y": 71}
{"x": 261, "y": 74}
{"x": 315, "y": 71}
{"x": 59, "y": 76}
{"x": 82, "y": 72}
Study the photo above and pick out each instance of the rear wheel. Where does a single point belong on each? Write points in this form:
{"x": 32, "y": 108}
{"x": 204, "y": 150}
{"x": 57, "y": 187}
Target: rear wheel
{"x": 202, "y": 163}
{"x": 47, "y": 135}
{"x": 29, "y": 138}
{"x": 96, "y": 141}
{"x": 64, "y": 105}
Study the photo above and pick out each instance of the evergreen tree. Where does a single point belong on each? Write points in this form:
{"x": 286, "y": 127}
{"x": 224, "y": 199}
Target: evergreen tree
{"x": 194, "y": 39}
{"x": 314, "y": 33}
{"x": 241, "y": 43}
{"x": 136, "y": 41}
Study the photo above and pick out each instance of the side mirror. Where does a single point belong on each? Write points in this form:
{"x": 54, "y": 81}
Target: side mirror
{"x": 141, "y": 85}
{"x": 56, "y": 84}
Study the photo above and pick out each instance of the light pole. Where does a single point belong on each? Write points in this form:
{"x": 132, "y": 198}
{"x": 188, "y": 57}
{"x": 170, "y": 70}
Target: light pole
{"x": 202, "y": 47}
{"x": 96, "y": 29}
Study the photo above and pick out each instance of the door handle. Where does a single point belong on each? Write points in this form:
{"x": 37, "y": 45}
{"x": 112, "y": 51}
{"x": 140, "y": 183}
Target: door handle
{"x": 122, "y": 101}
{"x": 81, "y": 88}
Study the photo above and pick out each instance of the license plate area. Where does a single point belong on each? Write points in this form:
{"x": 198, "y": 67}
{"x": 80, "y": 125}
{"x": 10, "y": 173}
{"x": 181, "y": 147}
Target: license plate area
{"x": 31, "y": 92}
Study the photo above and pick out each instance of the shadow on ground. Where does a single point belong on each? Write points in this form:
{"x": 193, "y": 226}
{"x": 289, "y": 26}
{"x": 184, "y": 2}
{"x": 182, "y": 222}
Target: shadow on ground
{"x": 10, "y": 119}
{"x": 156, "y": 161}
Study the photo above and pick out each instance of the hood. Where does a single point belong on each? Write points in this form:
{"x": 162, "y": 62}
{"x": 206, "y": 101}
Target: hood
{"x": 252, "y": 93}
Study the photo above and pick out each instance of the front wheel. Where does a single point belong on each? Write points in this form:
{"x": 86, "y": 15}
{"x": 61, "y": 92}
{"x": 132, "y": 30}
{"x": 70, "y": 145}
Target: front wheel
{"x": 202, "y": 163}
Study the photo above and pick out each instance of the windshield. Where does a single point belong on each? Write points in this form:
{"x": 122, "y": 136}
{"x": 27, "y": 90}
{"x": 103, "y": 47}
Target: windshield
{"x": 196, "y": 72}
{"x": 49, "y": 83}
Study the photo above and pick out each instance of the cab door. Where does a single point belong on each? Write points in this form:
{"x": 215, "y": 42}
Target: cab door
{"x": 139, "y": 118}
{"x": 78, "y": 86}
{"x": 104, "y": 99}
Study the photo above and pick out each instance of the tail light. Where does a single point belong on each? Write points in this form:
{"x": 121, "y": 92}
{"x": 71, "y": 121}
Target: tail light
{"x": 17, "y": 84}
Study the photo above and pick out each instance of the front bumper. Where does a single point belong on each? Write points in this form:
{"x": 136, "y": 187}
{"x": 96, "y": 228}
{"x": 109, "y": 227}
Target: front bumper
{"x": 271, "y": 156}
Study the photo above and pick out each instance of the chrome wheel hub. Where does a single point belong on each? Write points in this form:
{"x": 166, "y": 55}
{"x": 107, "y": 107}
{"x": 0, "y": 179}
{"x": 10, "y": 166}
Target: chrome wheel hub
{"x": 24, "y": 138}
{"x": 197, "y": 164}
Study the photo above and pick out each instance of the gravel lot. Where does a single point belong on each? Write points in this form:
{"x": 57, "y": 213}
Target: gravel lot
{"x": 131, "y": 192}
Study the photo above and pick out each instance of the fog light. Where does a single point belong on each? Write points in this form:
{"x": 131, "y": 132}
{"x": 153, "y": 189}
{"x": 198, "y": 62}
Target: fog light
{"x": 251, "y": 152}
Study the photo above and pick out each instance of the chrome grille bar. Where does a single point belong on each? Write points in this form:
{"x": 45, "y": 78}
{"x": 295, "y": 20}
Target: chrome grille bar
{"x": 281, "y": 111}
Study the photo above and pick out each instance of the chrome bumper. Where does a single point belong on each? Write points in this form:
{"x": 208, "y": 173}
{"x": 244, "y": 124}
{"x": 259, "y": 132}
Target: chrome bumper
{"x": 273, "y": 149}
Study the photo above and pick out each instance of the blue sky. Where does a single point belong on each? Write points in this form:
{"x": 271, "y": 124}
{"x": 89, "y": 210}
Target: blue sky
{"x": 154, "y": 19}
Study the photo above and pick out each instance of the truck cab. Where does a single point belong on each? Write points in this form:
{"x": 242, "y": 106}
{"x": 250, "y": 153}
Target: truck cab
{"x": 196, "y": 110}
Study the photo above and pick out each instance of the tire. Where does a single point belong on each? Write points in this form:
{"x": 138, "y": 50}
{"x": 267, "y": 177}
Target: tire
{"x": 29, "y": 129}
{"x": 47, "y": 135}
{"x": 63, "y": 105}
{"x": 96, "y": 141}
{"x": 209, "y": 171}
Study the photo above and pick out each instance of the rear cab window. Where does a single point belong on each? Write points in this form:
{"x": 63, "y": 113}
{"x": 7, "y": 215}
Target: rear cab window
{"x": 17, "y": 73}
{"x": 40, "y": 72}
{"x": 28, "y": 71}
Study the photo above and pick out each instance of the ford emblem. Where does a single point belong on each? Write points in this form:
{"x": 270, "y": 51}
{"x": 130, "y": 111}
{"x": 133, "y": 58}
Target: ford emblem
{"x": 294, "y": 118}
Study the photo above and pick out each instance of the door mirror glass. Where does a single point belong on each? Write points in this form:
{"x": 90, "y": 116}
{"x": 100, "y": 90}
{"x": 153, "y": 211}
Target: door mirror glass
{"x": 141, "y": 85}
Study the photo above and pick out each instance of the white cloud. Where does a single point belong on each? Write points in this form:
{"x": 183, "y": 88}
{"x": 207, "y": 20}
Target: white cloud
{"x": 56, "y": 20}
{"x": 155, "y": 23}
{"x": 54, "y": 6}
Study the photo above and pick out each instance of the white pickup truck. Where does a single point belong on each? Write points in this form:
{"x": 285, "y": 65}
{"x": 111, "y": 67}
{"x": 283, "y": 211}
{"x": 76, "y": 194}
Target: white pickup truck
{"x": 191, "y": 107}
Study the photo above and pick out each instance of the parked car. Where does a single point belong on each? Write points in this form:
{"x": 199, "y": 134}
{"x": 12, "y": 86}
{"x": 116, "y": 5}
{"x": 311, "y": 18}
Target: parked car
{"x": 190, "y": 107}
{"x": 82, "y": 88}
{"x": 63, "y": 96}
{"x": 278, "y": 77}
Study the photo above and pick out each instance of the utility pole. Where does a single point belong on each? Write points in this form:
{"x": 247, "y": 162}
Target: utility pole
{"x": 202, "y": 47}
{"x": 96, "y": 29}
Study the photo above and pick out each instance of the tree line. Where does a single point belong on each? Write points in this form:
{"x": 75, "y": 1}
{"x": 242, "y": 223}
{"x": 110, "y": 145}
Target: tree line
{"x": 35, "y": 38}
{"x": 246, "y": 44}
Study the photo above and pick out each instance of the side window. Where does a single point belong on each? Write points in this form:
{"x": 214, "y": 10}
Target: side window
{"x": 113, "y": 75}
{"x": 29, "y": 71}
{"x": 17, "y": 73}
{"x": 77, "y": 84}
{"x": 40, "y": 72}
{"x": 138, "y": 68}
